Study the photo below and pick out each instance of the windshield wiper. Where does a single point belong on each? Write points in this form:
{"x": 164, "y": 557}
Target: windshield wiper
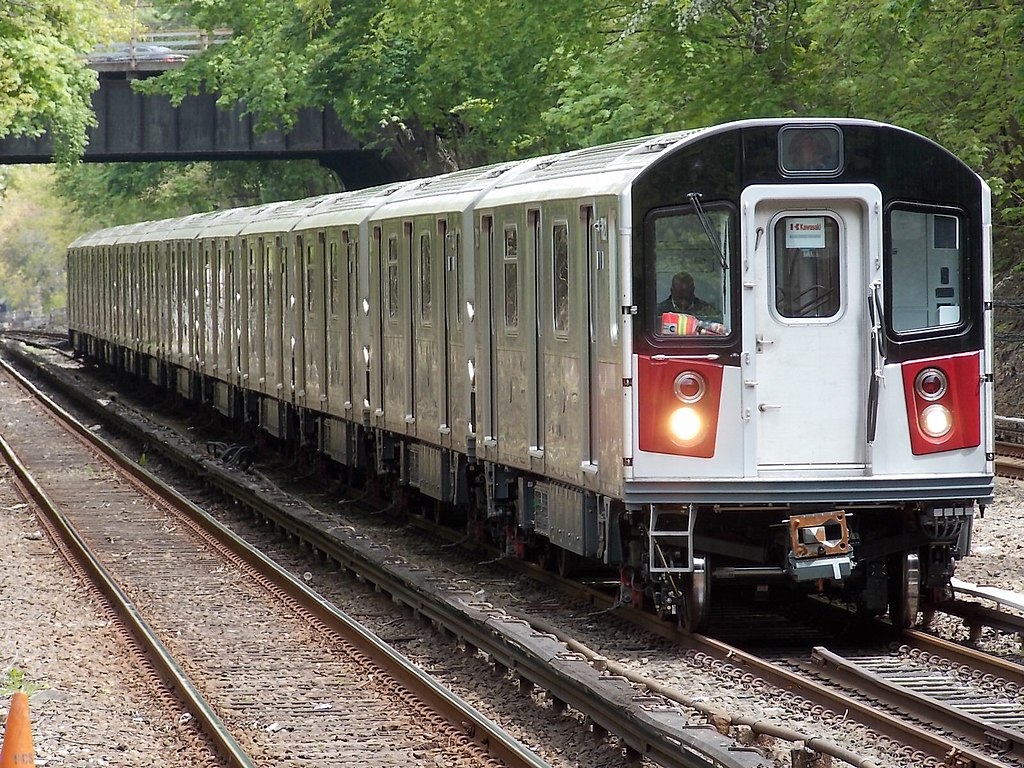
{"x": 709, "y": 230}
{"x": 877, "y": 358}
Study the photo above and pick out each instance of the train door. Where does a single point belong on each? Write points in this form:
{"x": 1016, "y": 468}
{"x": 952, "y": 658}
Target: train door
{"x": 297, "y": 302}
{"x": 814, "y": 262}
{"x": 346, "y": 322}
{"x": 537, "y": 346}
{"x": 489, "y": 421}
{"x": 311, "y": 322}
{"x": 588, "y": 384}
{"x": 414, "y": 278}
{"x": 458, "y": 409}
{"x": 447, "y": 324}
{"x": 321, "y": 333}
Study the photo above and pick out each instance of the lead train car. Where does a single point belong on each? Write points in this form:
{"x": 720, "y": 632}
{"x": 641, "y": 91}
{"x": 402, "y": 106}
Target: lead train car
{"x": 815, "y": 409}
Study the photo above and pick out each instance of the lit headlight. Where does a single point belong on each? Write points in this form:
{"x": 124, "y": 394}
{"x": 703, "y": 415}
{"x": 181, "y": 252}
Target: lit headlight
{"x": 686, "y": 425}
{"x": 936, "y": 420}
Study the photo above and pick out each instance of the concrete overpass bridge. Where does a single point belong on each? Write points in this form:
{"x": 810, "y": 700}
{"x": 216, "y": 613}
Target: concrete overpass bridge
{"x": 136, "y": 127}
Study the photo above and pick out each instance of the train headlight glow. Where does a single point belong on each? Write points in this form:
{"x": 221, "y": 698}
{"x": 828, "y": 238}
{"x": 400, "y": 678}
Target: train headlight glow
{"x": 936, "y": 420}
{"x": 685, "y": 425}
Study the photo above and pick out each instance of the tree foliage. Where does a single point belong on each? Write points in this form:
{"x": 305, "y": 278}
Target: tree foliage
{"x": 120, "y": 193}
{"x": 45, "y": 86}
{"x": 453, "y": 83}
{"x": 34, "y": 232}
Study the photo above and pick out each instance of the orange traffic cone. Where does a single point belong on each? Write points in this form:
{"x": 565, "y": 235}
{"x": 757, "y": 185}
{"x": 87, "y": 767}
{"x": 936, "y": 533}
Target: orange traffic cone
{"x": 17, "y": 750}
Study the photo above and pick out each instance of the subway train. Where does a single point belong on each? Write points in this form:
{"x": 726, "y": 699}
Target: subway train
{"x": 756, "y": 354}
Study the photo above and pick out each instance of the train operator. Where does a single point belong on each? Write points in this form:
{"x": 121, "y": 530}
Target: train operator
{"x": 683, "y": 298}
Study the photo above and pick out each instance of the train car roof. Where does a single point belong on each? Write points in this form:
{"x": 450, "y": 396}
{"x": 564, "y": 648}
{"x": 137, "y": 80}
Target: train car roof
{"x": 346, "y": 209}
{"x": 226, "y": 223}
{"x": 453, "y": 192}
{"x": 106, "y": 236}
{"x": 283, "y": 216}
{"x": 600, "y": 170}
{"x": 184, "y": 228}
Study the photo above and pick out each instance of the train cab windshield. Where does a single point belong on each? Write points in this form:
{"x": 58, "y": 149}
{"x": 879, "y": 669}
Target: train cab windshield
{"x": 688, "y": 285}
{"x": 927, "y": 268}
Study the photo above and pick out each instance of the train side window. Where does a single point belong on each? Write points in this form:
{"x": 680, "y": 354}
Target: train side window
{"x": 511, "y": 276}
{"x": 807, "y": 267}
{"x": 926, "y": 268}
{"x": 392, "y": 277}
{"x": 457, "y": 253}
{"x": 252, "y": 275}
{"x": 560, "y": 268}
{"x": 333, "y": 267}
{"x": 310, "y": 277}
{"x": 426, "y": 275}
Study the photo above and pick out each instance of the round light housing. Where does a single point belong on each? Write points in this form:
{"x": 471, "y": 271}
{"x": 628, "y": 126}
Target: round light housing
{"x": 689, "y": 386}
{"x": 686, "y": 426}
{"x": 936, "y": 420}
{"x": 931, "y": 384}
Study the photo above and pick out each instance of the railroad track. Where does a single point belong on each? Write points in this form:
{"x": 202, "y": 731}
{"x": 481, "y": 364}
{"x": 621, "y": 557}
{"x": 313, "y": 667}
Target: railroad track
{"x": 195, "y": 597}
{"x": 933, "y": 702}
{"x": 647, "y": 726}
{"x": 1010, "y": 460}
{"x": 916, "y": 744}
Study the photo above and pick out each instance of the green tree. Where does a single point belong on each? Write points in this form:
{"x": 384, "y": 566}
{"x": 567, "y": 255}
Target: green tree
{"x": 35, "y": 228}
{"x": 443, "y": 84}
{"x": 453, "y": 83}
{"x": 45, "y": 85}
{"x": 121, "y": 193}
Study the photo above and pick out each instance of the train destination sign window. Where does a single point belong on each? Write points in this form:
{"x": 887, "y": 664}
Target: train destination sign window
{"x": 816, "y": 151}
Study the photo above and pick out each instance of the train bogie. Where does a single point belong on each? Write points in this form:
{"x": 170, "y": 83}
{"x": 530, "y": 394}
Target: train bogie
{"x": 759, "y": 351}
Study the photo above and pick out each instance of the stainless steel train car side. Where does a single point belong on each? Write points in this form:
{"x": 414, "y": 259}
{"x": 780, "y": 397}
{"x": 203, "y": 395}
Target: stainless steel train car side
{"x": 753, "y": 352}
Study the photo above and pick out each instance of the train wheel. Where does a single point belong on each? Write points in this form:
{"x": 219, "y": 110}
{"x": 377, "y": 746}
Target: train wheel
{"x": 697, "y": 597}
{"x": 566, "y": 563}
{"x": 904, "y": 590}
{"x": 437, "y": 512}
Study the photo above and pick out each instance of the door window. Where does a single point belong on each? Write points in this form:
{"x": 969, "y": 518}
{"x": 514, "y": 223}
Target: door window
{"x": 807, "y": 267}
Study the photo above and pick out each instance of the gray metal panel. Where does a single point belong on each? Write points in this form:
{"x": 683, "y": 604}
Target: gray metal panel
{"x": 568, "y": 517}
{"x": 859, "y": 490}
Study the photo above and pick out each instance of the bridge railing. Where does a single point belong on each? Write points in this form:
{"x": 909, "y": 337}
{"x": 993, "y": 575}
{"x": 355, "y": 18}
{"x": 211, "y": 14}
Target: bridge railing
{"x": 155, "y": 51}
{"x": 188, "y": 42}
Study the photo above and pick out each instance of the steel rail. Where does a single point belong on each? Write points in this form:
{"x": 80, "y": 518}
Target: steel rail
{"x": 172, "y": 675}
{"x": 936, "y": 746}
{"x": 457, "y": 712}
{"x": 920, "y": 705}
{"x": 647, "y": 723}
{"x": 474, "y": 636}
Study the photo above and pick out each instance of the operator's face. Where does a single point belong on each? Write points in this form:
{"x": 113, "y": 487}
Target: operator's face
{"x": 682, "y": 290}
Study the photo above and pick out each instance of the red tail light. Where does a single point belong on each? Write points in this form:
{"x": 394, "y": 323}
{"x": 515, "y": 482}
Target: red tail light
{"x": 679, "y": 401}
{"x": 943, "y": 403}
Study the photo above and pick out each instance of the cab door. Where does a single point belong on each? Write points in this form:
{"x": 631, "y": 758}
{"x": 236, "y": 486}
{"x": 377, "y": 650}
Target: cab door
{"x": 814, "y": 261}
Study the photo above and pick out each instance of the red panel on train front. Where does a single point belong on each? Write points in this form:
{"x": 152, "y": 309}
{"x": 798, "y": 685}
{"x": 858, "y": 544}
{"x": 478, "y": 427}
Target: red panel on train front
{"x": 660, "y": 403}
{"x": 962, "y": 399}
